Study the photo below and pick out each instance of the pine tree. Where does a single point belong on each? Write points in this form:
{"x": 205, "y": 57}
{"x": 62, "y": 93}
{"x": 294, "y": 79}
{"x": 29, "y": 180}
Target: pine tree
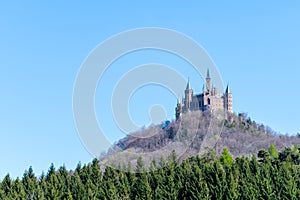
{"x": 273, "y": 151}
{"x": 131, "y": 179}
{"x": 90, "y": 189}
{"x": 263, "y": 155}
{"x": 216, "y": 177}
{"x": 226, "y": 158}
{"x": 109, "y": 183}
{"x": 6, "y": 186}
{"x": 154, "y": 177}
{"x": 288, "y": 184}
{"x": 69, "y": 195}
{"x": 76, "y": 187}
{"x": 265, "y": 182}
{"x": 63, "y": 178}
{"x": 54, "y": 188}
{"x": 123, "y": 188}
{"x": 18, "y": 192}
{"x": 30, "y": 183}
{"x": 167, "y": 180}
{"x": 195, "y": 186}
{"x": 247, "y": 185}
{"x": 185, "y": 169}
{"x": 141, "y": 188}
{"x": 232, "y": 187}
{"x": 96, "y": 177}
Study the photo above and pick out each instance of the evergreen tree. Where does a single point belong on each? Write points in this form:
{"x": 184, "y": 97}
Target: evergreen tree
{"x": 215, "y": 175}
{"x": 273, "y": 151}
{"x": 248, "y": 188}
{"x": 18, "y": 192}
{"x": 6, "y": 186}
{"x": 54, "y": 188}
{"x": 42, "y": 188}
{"x": 109, "y": 183}
{"x": 141, "y": 189}
{"x": 232, "y": 187}
{"x": 76, "y": 187}
{"x": 167, "y": 178}
{"x": 265, "y": 182}
{"x": 185, "y": 170}
{"x": 154, "y": 178}
{"x": 263, "y": 154}
{"x": 123, "y": 188}
{"x": 131, "y": 179}
{"x": 30, "y": 184}
{"x": 51, "y": 171}
{"x": 69, "y": 195}
{"x": 226, "y": 158}
{"x": 194, "y": 178}
{"x": 195, "y": 186}
{"x": 288, "y": 184}
{"x": 90, "y": 189}
{"x": 96, "y": 178}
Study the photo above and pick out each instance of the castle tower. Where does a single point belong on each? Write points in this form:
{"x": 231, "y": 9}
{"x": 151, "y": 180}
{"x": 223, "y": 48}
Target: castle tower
{"x": 178, "y": 110}
{"x": 210, "y": 99}
{"x": 228, "y": 99}
{"x": 207, "y": 81}
{"x": 188, "y": 96}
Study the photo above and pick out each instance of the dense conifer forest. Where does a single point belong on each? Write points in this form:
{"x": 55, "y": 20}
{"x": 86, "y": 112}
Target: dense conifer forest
{"x": 267, "y": 175}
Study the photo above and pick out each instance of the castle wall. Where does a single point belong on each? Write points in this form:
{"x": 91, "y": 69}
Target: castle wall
{"x": 209, "y": 99}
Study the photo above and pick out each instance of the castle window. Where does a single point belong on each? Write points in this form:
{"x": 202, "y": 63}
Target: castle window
{"x": 208, "y": 101}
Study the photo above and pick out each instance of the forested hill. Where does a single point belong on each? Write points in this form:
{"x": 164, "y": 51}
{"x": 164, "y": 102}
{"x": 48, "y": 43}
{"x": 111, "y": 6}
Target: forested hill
{"x": 271, "y": 176}
{"x": 196, "y": 133}
{"x": 200, "y": 156}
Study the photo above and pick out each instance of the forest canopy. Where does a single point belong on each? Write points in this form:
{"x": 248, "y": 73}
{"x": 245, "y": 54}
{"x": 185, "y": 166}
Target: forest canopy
{"x": 269, "y": 175}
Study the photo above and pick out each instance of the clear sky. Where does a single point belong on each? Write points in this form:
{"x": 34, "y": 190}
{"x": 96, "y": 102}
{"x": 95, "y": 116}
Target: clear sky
{"x": 256, "y": 46}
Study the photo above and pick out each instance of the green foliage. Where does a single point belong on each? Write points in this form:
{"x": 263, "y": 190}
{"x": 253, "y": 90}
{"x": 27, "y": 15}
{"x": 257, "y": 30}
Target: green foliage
{"x": 274, "y": 176}
{"x": 226, "y": 158}
{"x": 6, "y": 185}
{"x": 273, "y": 151}
{"x": 141, "y": 188}
{"x": 263, "y": 154}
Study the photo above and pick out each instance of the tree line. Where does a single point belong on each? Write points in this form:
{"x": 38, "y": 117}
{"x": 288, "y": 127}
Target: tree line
{"x": 269, "y": 175}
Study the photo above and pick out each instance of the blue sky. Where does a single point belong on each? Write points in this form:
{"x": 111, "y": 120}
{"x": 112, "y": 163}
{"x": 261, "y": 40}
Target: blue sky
{"x": 255, "y": 45}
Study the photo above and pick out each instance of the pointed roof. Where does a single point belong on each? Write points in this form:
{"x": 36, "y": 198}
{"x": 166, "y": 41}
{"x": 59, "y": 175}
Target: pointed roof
{"x": 207, "y": 75}
{"x": 227, "y": 89}
{"x": 188, "y": 85}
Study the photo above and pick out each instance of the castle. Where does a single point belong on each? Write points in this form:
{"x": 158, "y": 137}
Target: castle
{"x": 209, "y": 99}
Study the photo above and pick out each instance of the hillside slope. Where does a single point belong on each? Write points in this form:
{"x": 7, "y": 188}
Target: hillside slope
{"x": 196, "y": 133}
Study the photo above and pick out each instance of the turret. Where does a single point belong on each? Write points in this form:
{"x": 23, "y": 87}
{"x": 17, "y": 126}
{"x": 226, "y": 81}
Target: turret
{"x": 227, "y": 91}
{"x": 178, "y": 110}
{"x": 188, "y": 96}
{"x": 228, "y": 99}
{"x": 207, "y": 81}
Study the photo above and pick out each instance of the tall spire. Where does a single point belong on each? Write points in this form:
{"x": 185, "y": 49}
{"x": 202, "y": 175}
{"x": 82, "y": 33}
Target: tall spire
{"x": 188, "y": 84}
{"x": 227, "y": 89}
{"x": 207, "y": 74}
{"x": 207, "y": 81}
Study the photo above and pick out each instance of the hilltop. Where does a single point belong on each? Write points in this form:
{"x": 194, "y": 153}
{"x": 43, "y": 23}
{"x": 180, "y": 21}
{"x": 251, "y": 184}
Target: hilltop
{"x": 195, "y": 133}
